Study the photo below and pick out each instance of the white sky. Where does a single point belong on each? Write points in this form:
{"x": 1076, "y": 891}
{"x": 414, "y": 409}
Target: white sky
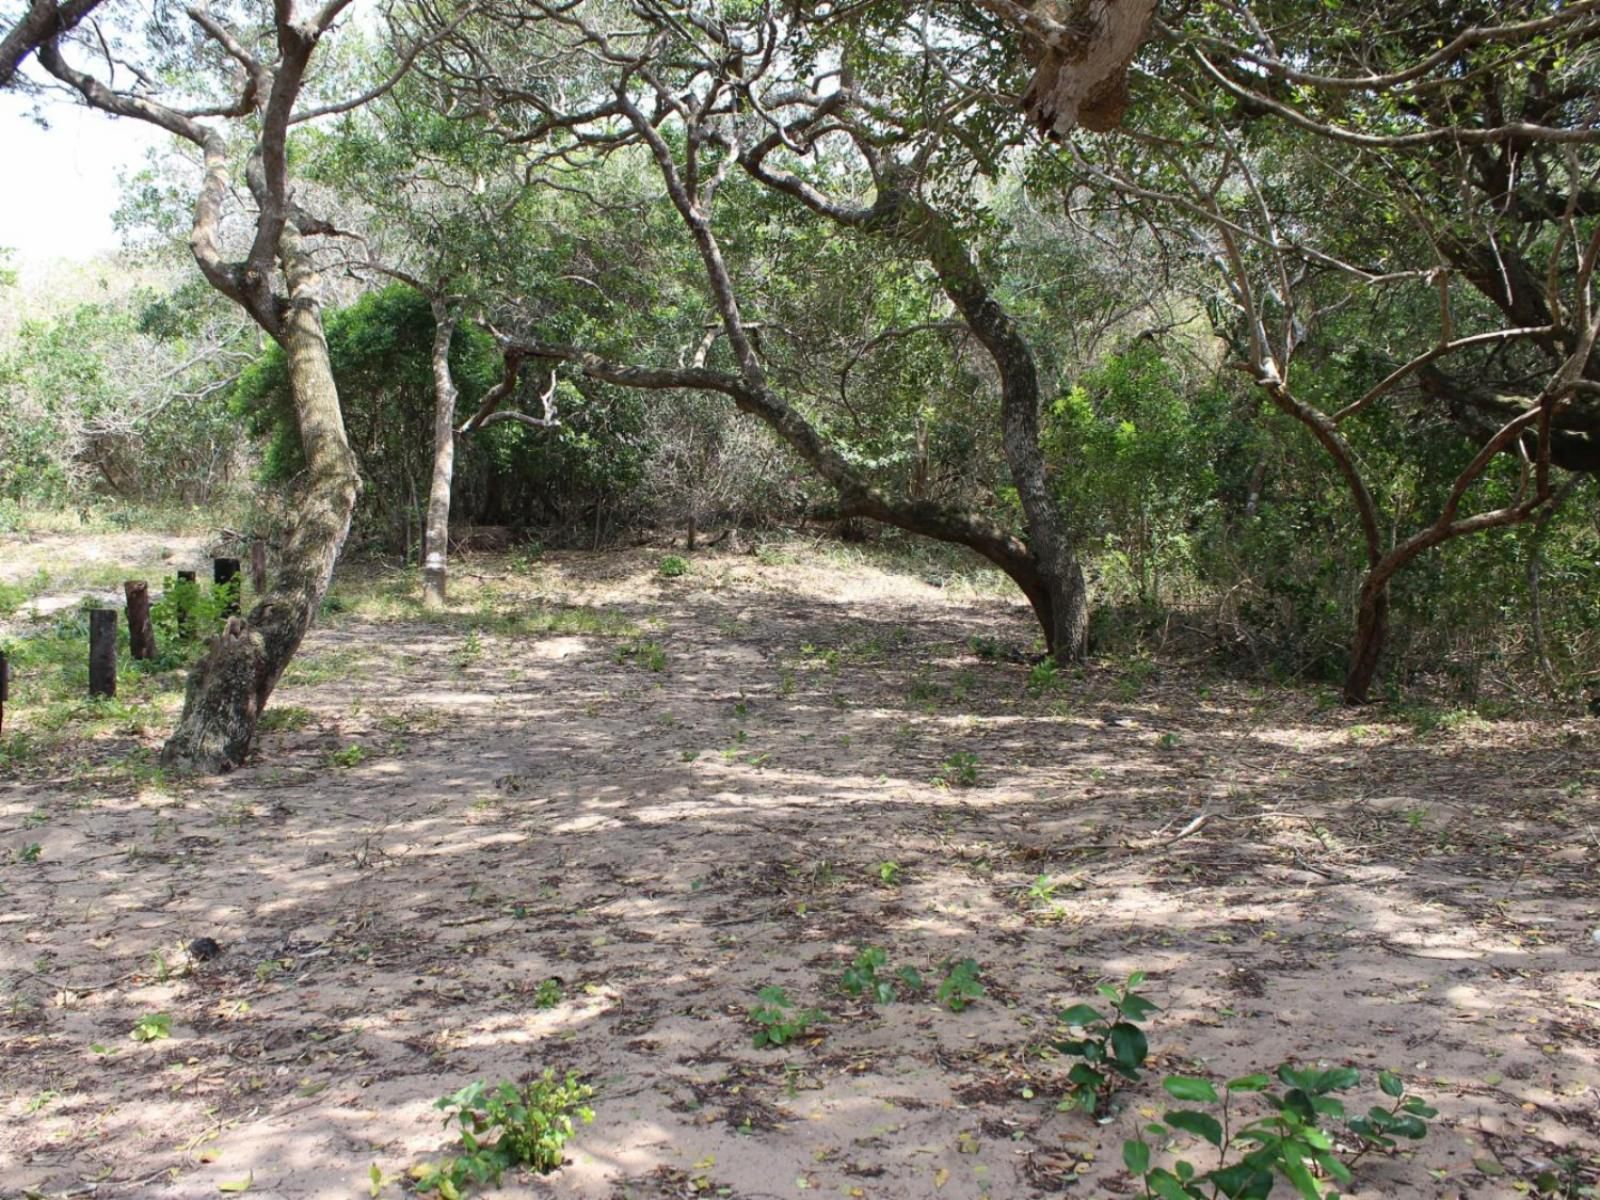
{"x": 60, "y": 184}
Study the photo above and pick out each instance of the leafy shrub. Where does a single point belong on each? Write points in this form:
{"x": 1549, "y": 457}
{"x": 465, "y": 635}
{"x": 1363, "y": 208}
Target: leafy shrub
{"x": 861, "y": 977}
{"x": 779, "y": 1022}
{"x": 674, "y": 566}
{"x": 960, "y": 986}
{"x": 504, "y": 1127}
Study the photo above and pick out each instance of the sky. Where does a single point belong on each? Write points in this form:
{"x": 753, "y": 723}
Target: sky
{"x": 60, "y": 184}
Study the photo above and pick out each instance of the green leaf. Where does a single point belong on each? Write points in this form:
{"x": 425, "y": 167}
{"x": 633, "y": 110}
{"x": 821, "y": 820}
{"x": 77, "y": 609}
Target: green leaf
{"x": 1136, "y": 1008}
{"x": 1136, "y": 1156}
{"x": 238, "y": 1185}
{"x": 1079, "y": 1014}
{"x": 1249, "y": 1083}
{"x": 1198, "y": 1123}
{"x": 1166, "y": 1185}
{"x": 1129, "y": 1047}
{"x": 1391, "y": 1084}
{"x": 1190, "y": 1089}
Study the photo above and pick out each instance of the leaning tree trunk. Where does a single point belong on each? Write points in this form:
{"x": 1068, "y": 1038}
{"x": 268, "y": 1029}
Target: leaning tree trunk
{"x": 1061, "y": 601}
{"x": 1372, "y": 631}
{"x": 436, "y": 540}
{"x": 229, "y": 686}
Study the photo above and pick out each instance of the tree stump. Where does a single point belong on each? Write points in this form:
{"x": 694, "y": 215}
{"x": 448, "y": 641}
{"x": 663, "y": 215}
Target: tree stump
{"x": 141, "y": 636}
{"x": 103, "y": 652}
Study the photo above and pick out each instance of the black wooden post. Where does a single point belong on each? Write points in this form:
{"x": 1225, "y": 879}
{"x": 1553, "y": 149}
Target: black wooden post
{"x": 103, "y": 652}
{"x": 225, "y": 573}
{"x": 141, "y": 637}
{"x": 186, "y": 589}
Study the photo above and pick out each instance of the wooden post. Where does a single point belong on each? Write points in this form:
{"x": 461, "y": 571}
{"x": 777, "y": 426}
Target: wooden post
{"x": 258, "y": 566}
{"x": 185, "y": 600}
{"x": 141, "y": 637}
{"x": 5, "y": 687}
{"x": 103, "y": 652}
{"x": 225, "y": 573}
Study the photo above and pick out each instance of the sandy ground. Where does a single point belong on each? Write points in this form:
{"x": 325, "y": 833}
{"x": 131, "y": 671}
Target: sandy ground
{"x": 666, "y": 843}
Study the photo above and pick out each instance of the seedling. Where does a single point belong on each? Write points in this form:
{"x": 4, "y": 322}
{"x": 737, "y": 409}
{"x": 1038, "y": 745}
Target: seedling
{"x": 506, "y": 1126}
{"x": 960, "y": 987}
{"x": 779, "y": 1022}
{"x": 888, "y": 874}
{"x": 548, "y": 994}
{"x": 673, "y": 566}
{"x": 29, "y": 853}
{"x": 1111, "y": 1047}
{"x": 861, "y": 977}
{"x": 152, "y": 1027}
{"x": 959, "y": 770}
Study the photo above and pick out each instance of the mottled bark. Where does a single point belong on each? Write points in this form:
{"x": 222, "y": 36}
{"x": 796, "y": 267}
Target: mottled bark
{"x": 436, "y": 537}
{"x": 1060, "y": 599}
{"x": 229, "y": 687}
{"x": 44, "y": 21}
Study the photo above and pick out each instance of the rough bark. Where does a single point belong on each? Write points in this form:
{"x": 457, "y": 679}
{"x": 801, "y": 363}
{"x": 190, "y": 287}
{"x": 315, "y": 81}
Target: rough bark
{"x": 230, "y": 686}
{"x": 436, "y": 538}
{"x": 1061, "y": 601}
{"x": 43, "y": 22}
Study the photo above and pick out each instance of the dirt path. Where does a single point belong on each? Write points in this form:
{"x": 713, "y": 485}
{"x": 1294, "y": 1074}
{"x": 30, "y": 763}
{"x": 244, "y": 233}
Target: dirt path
{"x": 452, "y": 818}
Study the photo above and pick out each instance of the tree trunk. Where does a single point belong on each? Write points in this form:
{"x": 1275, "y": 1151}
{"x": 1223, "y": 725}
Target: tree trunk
{"x": 1372, "y": 631}
{"x": 1065, "y": 615}
{"x": 229, "y": 686}
{"x": 436, "y": 539}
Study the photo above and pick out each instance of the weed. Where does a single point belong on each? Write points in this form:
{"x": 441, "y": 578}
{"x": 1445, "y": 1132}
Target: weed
{"x": 779, "y": 1022}
{"x": 525, "y": 559}
{"x": 1042, "y": 890}
{"x": 548, "y": 994}
{"x": 888, "y": 873}
{"x": 861, "y": 977}
{"x": 504, "y": 1127}
{"x": 1044, "y": 676}
{"x": 960, "y": 987}
{"x": 673, "y": 567}
{"x": 646, "y": 654}
{"x": 1167, "y": 741}
{"x": 286, "y": 718}
{"x": 152, "y": 1027}
{"x": 352, "y": 755}
{"x": 959, "y": 770}
{"x": 471, "y": 649}
{"x": 29, "y": 853}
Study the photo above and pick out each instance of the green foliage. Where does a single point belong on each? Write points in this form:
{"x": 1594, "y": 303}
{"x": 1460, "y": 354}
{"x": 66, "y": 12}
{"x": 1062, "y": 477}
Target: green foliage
{"x": 673, "y": 566}
{"x": 861, "y": 977}
{"x": 152, "y": 1027}
{"x": 647, "y": 654}
{"x": 778, "y": 1020}
{"x": 959, "y": 770}
{"x": 1292, "y": 1142}
{"x": 1111, "y": 1047}
{"x": 504, "y": 1127}
{"x": 29, "y": 852}
{"x": 960, "y": 986}
{"x": 548, "y": 993}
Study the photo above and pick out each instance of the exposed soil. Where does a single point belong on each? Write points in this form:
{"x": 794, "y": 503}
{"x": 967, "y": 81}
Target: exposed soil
{"x": 664, "y": 843}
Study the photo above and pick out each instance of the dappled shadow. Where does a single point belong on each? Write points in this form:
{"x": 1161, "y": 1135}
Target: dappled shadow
{"x": 456, "y": 813}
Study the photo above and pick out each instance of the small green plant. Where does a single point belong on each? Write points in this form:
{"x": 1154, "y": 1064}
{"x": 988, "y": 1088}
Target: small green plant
{"x": 960, "y": 987}
{"x": 548, "y": 994}
{"x": 504, "y": 1127}
{"x": 1111, "y": 1046}
{"x": 152, "y": 1027}
{"x": 29, "y": 853}
{"x": 352, "y": 755}
{"x": 861, "y": 977}
{"x": 888, "y": 874}
{"x": 285, "y": 718}
{"x": 1044, "y": 676}
{"x": 1167, "y": 741}
{"x": 1289, "y": 1142}
{"x": 647, "y": 654}
{"x": 779, "y": 1022}
{"x": 959, "y": 770}
{"x": 1042, "y": 890}
{"x": 673, "y": 566}
{"x": 471, "y": 649}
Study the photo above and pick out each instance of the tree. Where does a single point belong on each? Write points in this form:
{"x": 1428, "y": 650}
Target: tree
{"x": 249, "y": 81}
